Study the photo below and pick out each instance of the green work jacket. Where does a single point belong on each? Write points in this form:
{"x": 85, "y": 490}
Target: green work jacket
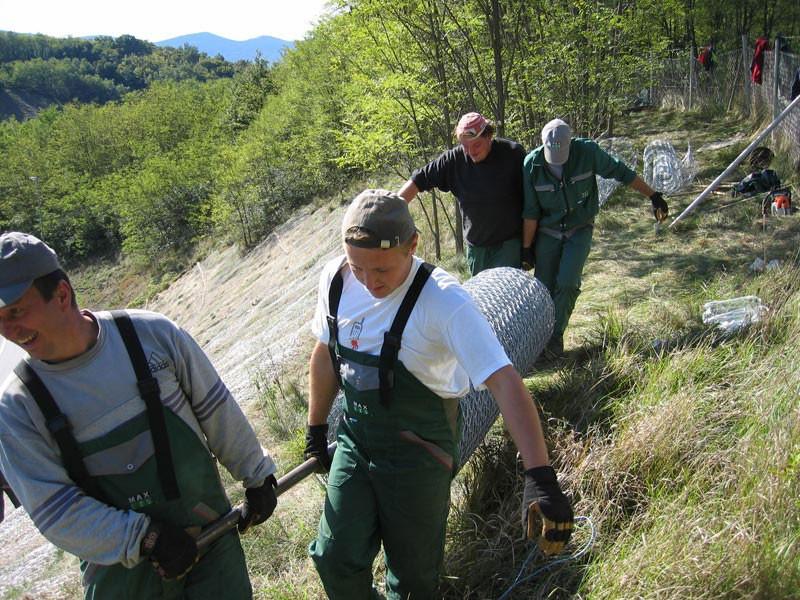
{"x": 572, "y": 201}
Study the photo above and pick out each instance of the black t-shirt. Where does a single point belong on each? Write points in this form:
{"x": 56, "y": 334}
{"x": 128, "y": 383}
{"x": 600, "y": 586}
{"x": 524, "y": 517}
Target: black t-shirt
{"x": 489, "y": 192}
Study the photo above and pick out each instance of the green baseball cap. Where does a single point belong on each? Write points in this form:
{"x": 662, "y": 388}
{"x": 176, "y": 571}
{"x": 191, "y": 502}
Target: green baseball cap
{"x": 23, "y": 258}
{"x": 377, "y": 219}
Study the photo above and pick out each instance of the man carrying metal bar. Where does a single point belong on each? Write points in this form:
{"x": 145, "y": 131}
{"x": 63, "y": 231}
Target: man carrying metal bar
{"x": 109, "y": 433}
{"x": 404, "y": 340}
{"x": 561, "y": 203}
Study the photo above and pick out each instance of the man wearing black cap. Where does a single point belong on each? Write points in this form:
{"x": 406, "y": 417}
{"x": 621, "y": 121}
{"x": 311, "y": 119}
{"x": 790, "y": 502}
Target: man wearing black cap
{"x": 107, "y": 433}
{"x": 484, "y": 174}
{"x": 404, "y": 340}
{"x": 561, "y": 203}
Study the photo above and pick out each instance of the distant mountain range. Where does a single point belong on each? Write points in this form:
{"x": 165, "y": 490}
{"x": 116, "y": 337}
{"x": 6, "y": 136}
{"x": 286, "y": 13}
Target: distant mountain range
{"x": 270, "y": 48}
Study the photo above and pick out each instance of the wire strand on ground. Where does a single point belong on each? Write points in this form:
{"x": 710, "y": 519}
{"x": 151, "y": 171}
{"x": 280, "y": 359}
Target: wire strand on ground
{"x": 519, "y": 580}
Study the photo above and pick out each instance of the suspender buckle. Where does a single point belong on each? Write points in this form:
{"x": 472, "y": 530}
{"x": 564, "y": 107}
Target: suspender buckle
{"x": 392, "y": 340}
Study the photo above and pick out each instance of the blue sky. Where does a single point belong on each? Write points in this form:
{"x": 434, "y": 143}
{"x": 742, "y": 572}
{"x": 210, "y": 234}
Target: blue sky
{"x": 156, "y": 20}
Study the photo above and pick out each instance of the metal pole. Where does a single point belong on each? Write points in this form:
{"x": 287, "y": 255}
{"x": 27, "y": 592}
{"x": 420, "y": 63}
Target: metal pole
{"x": 776, "y": 62}
{"x": 691, "y": 77}
{"x": 746, "y": 75}
{"x": 736, "y": 162}
{"x": 229, "y": 520}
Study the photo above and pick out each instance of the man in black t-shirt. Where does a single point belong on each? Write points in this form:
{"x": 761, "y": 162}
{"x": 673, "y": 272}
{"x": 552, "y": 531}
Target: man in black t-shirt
{"x": 484, "y": 173}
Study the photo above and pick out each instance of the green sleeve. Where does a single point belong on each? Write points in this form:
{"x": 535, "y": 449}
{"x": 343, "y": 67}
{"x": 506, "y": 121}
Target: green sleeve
{"x": 607, "y": 166}
{"x": 530, "y": 208}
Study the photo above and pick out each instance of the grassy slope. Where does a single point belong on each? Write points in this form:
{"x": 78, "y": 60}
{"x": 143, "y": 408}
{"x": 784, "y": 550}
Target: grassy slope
{"x": 685, "y": 460}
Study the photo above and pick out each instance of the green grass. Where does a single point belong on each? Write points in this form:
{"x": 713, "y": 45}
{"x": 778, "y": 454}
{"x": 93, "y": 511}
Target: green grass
{"x": 681, "y": 445}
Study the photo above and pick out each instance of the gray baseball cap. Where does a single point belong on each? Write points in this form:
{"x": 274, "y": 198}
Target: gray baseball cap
{"x": 23, "y": 258}
{"x": 377, "y": 219}
{"x": 556, "y": 136}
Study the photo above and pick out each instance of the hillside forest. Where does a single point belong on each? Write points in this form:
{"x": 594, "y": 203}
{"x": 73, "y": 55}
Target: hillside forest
{"x": 140, "y": 151}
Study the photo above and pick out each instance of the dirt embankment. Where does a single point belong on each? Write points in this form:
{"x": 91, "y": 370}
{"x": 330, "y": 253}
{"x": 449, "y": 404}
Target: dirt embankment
{"x": 249, "y": 313}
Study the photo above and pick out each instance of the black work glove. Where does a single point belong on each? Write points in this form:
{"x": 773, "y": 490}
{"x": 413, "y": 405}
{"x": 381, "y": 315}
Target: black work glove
{"x": 258, "y": 505}
{"x": 660, "y": 208}
{"x": 528, "y": 258}
{"x": 544, "y": 501}
{"x": 172, "y": 551}
{"x": 317, "y": 445}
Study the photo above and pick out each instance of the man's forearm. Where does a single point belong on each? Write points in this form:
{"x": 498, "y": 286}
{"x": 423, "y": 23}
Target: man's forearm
{"x": 409, "y": 191}
{"x": 322, "y": 385}
{"x": 529, "y": 227}
{"x": 520, "y": 415}
{"x": 640, "y": 186}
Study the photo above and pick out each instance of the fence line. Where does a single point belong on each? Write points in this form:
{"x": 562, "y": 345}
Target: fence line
{"x": 682, "y": 82}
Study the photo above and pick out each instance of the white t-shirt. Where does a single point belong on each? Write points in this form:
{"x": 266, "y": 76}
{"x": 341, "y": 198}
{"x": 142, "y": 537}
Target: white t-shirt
{"x": 446, "y": 343}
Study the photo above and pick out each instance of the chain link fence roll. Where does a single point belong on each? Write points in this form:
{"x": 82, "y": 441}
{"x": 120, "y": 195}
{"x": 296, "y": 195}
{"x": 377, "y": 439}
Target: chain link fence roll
{"x": 664, "y": 171}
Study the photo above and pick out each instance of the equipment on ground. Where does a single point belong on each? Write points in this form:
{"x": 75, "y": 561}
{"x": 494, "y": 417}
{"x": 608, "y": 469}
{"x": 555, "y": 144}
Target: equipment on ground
{"x": 765, "y": 180}
{"x": 779, "y": 202}
{"x": 713, "y": 185}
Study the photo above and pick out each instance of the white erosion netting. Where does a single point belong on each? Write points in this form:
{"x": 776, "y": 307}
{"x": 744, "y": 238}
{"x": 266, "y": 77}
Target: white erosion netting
{"x": 26, "y": 557}
{"x": 664, "y": 171}
{"x": 521, "y": 313}
{"x": 620, "y": 148}
{"x": 251, "y": 313}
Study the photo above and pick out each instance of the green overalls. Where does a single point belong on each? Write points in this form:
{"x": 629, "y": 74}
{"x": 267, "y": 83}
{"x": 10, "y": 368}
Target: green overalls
{"x": 390, "y": 478}
{"x": 565, "y": 210}
{"x": 504, "y": 254}
{"x": 175, "y": 481}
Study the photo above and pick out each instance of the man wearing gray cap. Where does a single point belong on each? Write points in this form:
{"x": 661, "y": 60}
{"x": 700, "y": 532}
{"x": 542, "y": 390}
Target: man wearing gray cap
{"x": 561, "y": 203}
{"x": 107, "y": 433}
{"x": 404, "y": 339}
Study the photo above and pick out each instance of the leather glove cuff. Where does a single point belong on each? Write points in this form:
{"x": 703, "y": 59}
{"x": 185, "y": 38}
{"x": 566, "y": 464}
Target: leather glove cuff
{"x": 317, "y": 445}
{"x": 544, "y": 475}
{"x": 315, "y": 433}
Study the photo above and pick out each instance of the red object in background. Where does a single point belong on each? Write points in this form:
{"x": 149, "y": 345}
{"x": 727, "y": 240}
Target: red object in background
{"x": 783, "y": 201}
{"x": 757, "y": 64}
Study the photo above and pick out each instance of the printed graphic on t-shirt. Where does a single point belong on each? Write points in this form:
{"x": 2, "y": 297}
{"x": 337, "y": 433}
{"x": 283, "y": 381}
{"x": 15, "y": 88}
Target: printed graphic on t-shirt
{"x": 355, "y": 333}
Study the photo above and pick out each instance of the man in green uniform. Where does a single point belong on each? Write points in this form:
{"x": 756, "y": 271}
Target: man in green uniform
{"x": 111, "y": 425}
{"x": 404, "y": 340}
{"x": 561, "y": 203}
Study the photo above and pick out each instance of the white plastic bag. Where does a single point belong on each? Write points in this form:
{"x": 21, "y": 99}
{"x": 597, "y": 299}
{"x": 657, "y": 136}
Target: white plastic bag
{"x": 731, "y": 315}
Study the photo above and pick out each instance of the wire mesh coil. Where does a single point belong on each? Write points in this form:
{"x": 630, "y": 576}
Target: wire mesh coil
{"x": 664, "y": 171}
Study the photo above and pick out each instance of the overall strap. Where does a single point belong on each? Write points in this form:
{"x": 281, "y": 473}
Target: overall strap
{"x": 391, "y": 338}
{"x": 334, "y": 296}
{"x": 149, "y": 391}
{"x": 61, "y": 430}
